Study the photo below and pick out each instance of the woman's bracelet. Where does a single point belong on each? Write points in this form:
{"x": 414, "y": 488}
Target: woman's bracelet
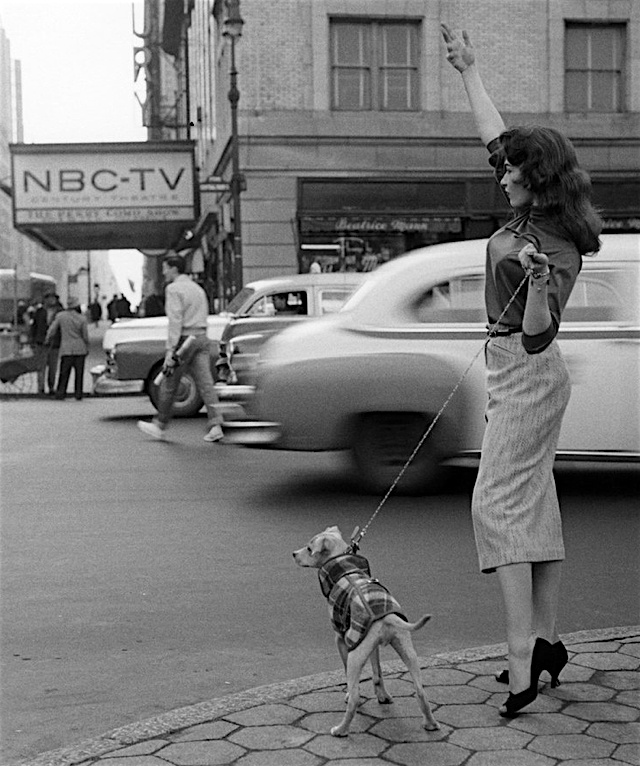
{"x": 540, "y": 274}
{"x": 540, "y": 279}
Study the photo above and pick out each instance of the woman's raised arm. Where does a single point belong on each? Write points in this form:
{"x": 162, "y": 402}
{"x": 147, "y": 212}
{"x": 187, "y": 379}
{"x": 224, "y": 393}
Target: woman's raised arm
{"x": 461, "y": 55}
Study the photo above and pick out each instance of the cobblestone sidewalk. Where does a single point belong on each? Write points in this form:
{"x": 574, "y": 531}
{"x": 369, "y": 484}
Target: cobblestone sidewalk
{"x": 592, "y": 719}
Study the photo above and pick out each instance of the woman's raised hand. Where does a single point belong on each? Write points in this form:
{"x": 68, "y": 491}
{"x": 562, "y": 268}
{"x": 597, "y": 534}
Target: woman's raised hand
{"x": 460, "y": 53}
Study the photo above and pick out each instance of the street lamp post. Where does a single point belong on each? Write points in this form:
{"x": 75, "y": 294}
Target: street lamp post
{"x": 233, "y": 30}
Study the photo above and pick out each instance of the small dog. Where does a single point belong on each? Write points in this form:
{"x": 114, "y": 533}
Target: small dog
{"x": 365, "y": 616}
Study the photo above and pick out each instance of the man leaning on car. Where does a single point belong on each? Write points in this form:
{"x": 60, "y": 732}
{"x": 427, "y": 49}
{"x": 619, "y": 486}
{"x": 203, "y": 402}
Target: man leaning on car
{"x": 187, "y": 308}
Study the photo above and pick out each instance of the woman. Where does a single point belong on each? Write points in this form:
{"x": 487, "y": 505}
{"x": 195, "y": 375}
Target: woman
{"x": 537, "y": 256}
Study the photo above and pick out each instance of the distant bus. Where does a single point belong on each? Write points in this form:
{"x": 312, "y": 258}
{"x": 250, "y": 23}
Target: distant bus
{"x": 13, "y": 290}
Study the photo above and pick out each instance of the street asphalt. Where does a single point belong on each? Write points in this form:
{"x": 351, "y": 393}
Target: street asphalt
{"x": 591, "y": 719}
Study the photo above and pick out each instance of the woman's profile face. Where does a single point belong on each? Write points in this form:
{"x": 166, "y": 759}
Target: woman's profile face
{"x": 513, "y": 184}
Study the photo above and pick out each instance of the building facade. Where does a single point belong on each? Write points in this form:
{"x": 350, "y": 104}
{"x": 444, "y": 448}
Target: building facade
{"x": 355, "y": 140}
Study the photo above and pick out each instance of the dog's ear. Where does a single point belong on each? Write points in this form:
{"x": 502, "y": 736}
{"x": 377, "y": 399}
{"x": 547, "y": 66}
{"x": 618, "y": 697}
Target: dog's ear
{"x": 318, "y": 545}
{"x": 332, "y": 531}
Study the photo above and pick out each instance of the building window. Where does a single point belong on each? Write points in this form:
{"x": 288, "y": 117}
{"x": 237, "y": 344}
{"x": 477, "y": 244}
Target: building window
{"x": 594, "y": 67}
{"x": 374, "y": 66}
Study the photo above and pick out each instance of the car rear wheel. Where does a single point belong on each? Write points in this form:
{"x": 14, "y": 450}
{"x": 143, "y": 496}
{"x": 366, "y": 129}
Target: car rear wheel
{"x": 187, "y": 403}
{"x": 384, "y": 441}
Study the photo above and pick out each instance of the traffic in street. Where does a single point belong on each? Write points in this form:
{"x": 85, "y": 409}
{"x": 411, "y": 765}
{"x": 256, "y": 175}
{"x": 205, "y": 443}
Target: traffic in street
{"x": 142, "y": 576}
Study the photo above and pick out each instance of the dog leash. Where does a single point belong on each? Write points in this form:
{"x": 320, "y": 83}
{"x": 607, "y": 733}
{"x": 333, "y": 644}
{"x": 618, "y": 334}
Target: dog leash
{"x": 358, "y": 534}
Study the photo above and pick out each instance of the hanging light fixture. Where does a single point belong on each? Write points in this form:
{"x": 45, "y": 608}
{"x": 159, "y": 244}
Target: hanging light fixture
{"x": 233, "y": 22}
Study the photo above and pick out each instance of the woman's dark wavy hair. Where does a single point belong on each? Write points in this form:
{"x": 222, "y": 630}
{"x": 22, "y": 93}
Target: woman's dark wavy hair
{"x": 549, "y": 167}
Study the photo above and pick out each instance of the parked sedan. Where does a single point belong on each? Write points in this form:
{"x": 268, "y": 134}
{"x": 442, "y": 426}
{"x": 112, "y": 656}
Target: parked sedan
{"x": 305, "y": 296}
{"x": 372, "y": 378}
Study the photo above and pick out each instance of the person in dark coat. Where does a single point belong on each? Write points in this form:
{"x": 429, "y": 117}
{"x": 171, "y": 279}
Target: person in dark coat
{"x": 154, "y": 306}
{"x": 42, "y": 319}
{"x": 112, "y": 308}
{"x": 95, "y": 312}
{"x": 123, "y": 308}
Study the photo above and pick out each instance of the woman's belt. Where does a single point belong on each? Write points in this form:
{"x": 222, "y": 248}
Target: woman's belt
{"x": 497, "y": 331}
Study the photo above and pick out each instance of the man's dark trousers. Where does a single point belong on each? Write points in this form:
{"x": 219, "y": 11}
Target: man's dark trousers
{"x": 67, "y": 363}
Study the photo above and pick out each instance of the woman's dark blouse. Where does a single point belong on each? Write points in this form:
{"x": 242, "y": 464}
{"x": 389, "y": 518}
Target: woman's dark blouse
{"x": 504, "y": 272}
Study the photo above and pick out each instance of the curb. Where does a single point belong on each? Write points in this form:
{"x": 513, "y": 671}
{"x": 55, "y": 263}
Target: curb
{"x": 203, "y": 712}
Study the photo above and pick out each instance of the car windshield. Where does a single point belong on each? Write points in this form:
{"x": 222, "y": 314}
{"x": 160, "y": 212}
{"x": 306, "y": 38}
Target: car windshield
{"x": 241, "y": 298}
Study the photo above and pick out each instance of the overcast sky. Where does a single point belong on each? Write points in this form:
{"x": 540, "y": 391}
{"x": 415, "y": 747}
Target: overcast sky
{"x": 77, "y": 68}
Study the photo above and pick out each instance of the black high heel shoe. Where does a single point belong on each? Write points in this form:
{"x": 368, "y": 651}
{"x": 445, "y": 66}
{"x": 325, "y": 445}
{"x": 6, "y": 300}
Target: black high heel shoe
{"x": 560, "y": 658}
{"x": 540, "y": 660}
{"x": 502, "y": 677}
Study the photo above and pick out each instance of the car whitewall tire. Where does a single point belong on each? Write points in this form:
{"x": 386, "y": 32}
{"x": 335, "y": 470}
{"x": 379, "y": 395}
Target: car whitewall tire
{"x": 383, "y": 442}
{"x": 188, "y": 401}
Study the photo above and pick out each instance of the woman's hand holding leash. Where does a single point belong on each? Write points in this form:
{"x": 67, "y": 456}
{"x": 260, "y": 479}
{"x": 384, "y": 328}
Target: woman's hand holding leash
{"x": 534, "y": 263}
{"x": 537, "y": 317}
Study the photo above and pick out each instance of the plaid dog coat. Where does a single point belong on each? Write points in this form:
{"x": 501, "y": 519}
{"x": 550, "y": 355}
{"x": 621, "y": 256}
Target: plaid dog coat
{"x": 356, "y": 600}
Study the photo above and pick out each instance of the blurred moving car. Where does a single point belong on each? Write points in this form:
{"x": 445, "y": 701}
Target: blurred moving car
{"x": 371, "y": 378}
{"x": 139, "y": 357}
{"x": 244, "y": 335}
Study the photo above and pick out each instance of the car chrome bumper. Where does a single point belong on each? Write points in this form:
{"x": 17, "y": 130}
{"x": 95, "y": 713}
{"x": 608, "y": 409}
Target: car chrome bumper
{"x": 97, "y": 371}
{"x": 251, "y": 432}
{"x": 106, "y": 385}
{"x": 229, "y": 392}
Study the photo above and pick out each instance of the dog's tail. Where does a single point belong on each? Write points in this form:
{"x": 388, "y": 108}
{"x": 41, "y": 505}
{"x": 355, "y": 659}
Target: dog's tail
{"x": 398, "y": 622}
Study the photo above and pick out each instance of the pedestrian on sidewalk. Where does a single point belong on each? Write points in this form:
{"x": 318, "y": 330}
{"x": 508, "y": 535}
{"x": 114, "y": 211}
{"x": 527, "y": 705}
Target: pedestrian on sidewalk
{"x": 112, "y": 308}
{"x": 515, "y": 508}
{"x": 74, "y": 347}
{"x": 187, "y": 309}
{"x": 95, "y": 312}
{"x": 48, "y": 353}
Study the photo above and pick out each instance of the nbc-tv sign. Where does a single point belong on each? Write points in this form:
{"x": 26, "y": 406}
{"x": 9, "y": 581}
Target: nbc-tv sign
{"x": 102, "y": 196}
